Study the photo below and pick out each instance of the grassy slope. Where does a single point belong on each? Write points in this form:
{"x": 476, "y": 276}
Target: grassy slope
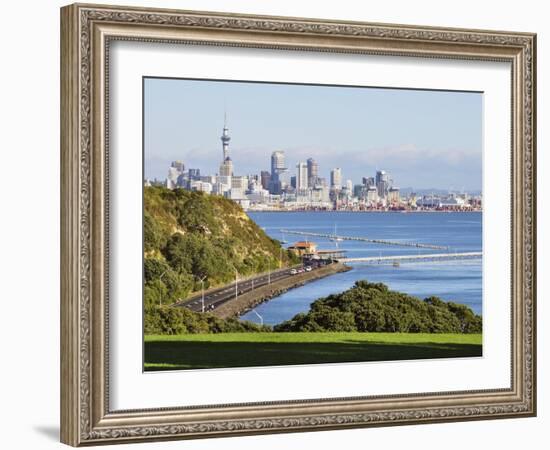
{"x": 200, "y": 351}
{"x": 214, "y": 221}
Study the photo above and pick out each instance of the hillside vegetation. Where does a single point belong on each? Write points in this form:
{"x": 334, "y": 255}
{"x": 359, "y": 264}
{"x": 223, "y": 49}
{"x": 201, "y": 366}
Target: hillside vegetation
{"x": 365, "y": 308}
{"x": 189, "y": 236}
{"x": 372, "y": 307}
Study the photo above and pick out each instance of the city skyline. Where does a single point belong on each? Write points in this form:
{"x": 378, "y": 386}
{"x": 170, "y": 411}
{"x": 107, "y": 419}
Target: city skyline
{"x": 183, "y": 119}
{"x": 306, "y": 190}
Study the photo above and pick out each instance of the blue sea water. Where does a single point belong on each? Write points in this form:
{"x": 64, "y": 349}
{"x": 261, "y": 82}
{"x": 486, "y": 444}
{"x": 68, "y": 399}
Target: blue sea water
{"x": 458, "y": 281}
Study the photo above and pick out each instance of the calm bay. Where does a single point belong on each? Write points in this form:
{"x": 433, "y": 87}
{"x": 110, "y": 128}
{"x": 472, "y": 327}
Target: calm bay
{"x": 458, "y": 281}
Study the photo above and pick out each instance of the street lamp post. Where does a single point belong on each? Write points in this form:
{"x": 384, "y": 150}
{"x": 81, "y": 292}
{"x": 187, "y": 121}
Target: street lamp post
{"x": 160, "y": 279}
{"x": 202, "y": 289}
{"x": 261, "y": 318}
{"x": 236, "y": 284}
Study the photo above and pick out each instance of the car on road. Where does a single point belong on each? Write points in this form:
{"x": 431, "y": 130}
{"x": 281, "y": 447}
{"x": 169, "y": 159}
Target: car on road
{"x": 308, "y": 268}
{"x": 293, "y": 271}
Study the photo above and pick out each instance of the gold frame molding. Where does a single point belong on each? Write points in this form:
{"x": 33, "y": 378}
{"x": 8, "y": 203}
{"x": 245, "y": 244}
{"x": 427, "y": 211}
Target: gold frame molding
{"x": 86, "y": 31}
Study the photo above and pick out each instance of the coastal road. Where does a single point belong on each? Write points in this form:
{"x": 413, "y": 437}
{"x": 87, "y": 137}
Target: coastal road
{"x": 217, "y": 297}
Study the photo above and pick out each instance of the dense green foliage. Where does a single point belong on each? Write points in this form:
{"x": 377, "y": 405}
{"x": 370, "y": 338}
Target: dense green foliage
{"x": 189, "y": 236}
{"x": 372, "y": 307}
{"x": 169, "y": 320}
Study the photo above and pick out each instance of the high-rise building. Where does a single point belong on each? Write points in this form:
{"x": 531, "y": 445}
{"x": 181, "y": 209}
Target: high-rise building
{"x": 240, "y": 182}
{"x": 279, "y": 173}
{"x": 360, "y": 191}
{"x": 301, "y": 176}
{"x": 382, "y": 183}
{"x": 183, "y": 180}
{"x": 293, "y": 181}
{"x": 194, "y": 174}
{"x": 393, "y": 195}
{"x": 178, "y": 165}
{"x": 174, "y": 172}
{"x": 312, "y": 171}
{"x": 372, "y": 194}
{"x": 277, "y": 161}
{"x": 368, "y": 181}
{"x": 226, "y": 167}
{"x": 321, "y": 182}
{"x": 265, "y": 176}
{"x": 336, "y": 178}
{"x": 284, "y": 178}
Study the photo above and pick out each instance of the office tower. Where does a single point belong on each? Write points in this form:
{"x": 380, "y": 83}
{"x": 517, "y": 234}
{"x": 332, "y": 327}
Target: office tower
{"x": 301, "y": 176}
{"x": 312, "y": 171}
{"x": 368, "y": 181}
{"x": 336, "y": 178}
{"x": 194, "y": 174}
{"x": 393, "y": 195}
{"x": 239, "y": 182}
{"x": 183, "y": 180}
{"x": 372, "y": 194}
{"x": 226, "y": 167}
{"x": 265, "y": 176}
{"x": 277, "y": 161}
{"x": 360, "y": 191}
{"x": 321, "y": 182}
{"x": 178, "y": 165}
{"x": 174, "y": 172}
{"x": 293, "y": 181}
{"x": 279, "y": 173}
{"x": 382, "y": 183}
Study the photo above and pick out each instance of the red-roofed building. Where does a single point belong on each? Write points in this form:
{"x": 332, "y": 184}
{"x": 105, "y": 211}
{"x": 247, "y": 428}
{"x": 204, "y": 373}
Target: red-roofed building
{"x": 303, "y": 248}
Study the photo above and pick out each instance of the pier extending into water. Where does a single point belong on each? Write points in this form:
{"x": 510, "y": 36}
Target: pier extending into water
{"x": 413, "y": 258}
{"x": 364, "y": 239}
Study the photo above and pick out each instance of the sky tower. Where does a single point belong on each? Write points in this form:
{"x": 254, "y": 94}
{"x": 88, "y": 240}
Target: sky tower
{"x": 225, "y": 137}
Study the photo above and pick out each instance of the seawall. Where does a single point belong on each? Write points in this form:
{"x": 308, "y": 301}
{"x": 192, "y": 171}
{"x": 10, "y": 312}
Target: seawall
{"x": 247, "y": 301}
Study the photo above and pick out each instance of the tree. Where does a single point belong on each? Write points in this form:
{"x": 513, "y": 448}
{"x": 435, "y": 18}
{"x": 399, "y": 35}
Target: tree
{"x": 153, "y": 238}
{"x": 372, "y": 307}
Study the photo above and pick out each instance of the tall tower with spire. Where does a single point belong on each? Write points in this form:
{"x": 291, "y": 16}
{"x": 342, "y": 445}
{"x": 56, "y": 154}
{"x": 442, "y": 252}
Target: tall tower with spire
{"x": 225, "y": 137}
{"x": 226, "y": 167}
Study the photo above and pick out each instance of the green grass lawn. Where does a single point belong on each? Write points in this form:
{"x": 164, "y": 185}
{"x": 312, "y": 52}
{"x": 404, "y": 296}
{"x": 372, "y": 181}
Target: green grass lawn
{"x": 206, "y": 351}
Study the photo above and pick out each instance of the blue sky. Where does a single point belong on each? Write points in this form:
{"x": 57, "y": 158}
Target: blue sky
{"x": 424, "y": 139}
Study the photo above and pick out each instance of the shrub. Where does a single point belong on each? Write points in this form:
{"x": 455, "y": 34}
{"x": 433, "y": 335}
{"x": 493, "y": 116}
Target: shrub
{"x": 178, "y": 320}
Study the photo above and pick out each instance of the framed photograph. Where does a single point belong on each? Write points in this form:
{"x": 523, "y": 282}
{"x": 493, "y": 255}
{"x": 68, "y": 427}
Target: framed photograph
{"x": 276, "y": 224}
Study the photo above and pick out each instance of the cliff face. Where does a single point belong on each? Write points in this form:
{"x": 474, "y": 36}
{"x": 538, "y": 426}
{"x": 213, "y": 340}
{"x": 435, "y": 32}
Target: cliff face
{"x": 189, "y": 236}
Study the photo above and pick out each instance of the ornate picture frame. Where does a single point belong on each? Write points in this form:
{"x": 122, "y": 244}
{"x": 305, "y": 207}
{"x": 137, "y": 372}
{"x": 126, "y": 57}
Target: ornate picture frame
{"x": 87, "y": 32}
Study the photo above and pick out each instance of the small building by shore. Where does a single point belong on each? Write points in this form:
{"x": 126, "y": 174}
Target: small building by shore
{"x": 304, "y": 248}
{"x": 307, "y": 250}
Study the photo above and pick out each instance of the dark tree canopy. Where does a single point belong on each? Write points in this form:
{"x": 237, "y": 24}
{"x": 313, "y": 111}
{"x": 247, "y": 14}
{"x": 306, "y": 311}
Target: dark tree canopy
{"x": 372, "y": 307}
{"x": 190, "y": 236}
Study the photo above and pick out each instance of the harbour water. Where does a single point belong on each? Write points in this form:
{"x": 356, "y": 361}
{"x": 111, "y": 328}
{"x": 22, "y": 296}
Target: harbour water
{"x": 458, "y": 281}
